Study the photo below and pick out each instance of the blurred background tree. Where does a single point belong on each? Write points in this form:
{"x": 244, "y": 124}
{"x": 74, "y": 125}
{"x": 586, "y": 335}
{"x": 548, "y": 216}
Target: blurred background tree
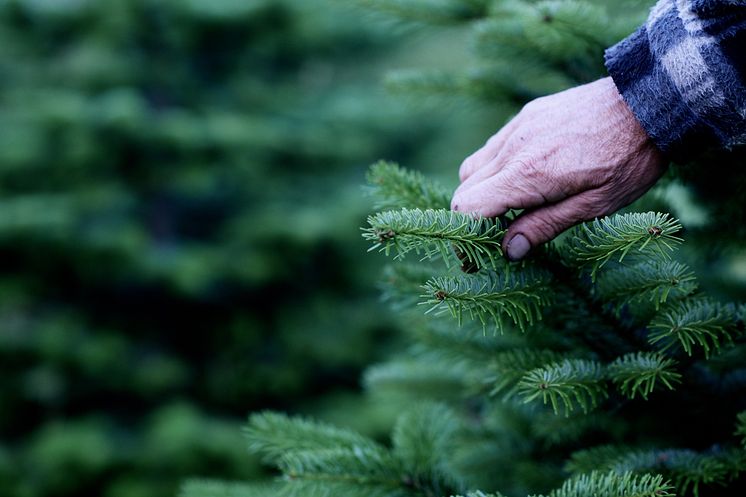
{"x": 179, "y": 197}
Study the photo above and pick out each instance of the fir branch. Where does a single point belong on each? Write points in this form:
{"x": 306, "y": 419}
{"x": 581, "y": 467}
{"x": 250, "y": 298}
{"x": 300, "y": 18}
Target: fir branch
{"x": 481, "y": 494}
{"x": 331, "y": 487}
{"x": 687, "y": 469}
{"x": 423, "y": 438}
{"x": 613, "y": 484}
{"x": 553, "y": 430}
{"x": 638, "y": 373}
{"x": 424, "y": 434}
{"x": 395, "y": 187}
{"x": 275, "y": 435}
{"x": 402, "y": 283}
{"x": 425, "y": 82}
{"x": 489, "y": 82}
{"x": 490, "y": 297}
{"x": 467, "y": 343}
{"x": 359, "y": 466}
{"x": 694, "y": 322}
{"x": 509, "y": 367}
{"x": 426, "y": 379}
{"x": 214, "y": 488}
{"x": 567, "y": 384}
{"x": 593, "y": 244}
{"x": 433, "y": 233}
{"x": 602, "y": 331}
{"x": 431, "y": 11}
{"x": 650, "y": 281}
{"x": 599, "y": 458}
{"x": 741, "y": 427}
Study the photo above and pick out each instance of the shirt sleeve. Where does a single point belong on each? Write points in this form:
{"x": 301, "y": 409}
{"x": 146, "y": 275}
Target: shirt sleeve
{"x": 683, "y": 74}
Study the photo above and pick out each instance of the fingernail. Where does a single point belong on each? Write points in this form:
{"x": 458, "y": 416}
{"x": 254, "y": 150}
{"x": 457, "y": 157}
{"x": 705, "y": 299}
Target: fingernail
{"x": 518, "y": 247}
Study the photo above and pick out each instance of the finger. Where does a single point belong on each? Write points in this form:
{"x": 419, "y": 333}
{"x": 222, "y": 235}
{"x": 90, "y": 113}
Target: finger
{"x": 517, "y": 186}
{"x": 533, "y": 228}
{"x": 487, "y": 153}
{"x": 484, "y": 172}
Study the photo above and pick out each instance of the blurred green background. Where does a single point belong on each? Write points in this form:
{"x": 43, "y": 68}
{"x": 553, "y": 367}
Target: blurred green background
{"x": 179, "y": 213}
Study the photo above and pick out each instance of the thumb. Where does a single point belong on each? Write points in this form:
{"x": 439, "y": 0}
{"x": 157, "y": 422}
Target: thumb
{"x": 538, "y": 226}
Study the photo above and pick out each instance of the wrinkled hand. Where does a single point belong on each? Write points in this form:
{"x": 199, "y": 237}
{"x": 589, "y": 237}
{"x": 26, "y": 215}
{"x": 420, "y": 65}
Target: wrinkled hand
{"x": 565, "y": 158}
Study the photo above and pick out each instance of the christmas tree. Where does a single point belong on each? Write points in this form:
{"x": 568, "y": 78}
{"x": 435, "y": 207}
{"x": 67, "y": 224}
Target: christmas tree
{"x": 610, "y": 363}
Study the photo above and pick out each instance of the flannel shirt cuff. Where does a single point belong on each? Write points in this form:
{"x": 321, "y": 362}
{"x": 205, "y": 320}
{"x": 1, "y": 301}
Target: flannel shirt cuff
{"x": 654, "y": 98}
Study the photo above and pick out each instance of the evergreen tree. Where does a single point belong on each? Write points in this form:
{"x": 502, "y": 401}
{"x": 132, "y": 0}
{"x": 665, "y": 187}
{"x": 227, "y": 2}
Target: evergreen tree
{"x": 609, "y": 364}
{"x": 151, "y": 287}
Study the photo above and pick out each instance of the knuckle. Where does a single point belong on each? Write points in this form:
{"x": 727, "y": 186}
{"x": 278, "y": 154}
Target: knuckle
{"x": 467, "y": 167}
{"x": 532, "y": 106}
{"x": 530, "y": 169}
{"x": 546, "y": 225}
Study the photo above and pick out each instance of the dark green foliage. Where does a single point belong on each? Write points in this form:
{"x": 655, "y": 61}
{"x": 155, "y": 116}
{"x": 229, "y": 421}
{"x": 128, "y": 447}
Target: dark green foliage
{"x": 619, "y": 369}
{"x": 741, "y": 428}
{"x": 648, "y": 282}
{"x": 173, "y": 246}
{"x": 432, "y": 11}
{"x": 212, "y": 488}
{"x": 638, "y": 373}
{"x": 565, "y": 385}
{"x": 491, "y": 297}
{"x": 315, "y": 465}
{"x": 300, "y": 435}
{"x": 395, "y": 187}
{"x": 615, "y": 484}
{"x": 440, "y": 233}
{"x": 687, "y": 469}
{"x": 614, "y": 238}
{"x": 535, "y": 394}
{"x": 694, "y": 323}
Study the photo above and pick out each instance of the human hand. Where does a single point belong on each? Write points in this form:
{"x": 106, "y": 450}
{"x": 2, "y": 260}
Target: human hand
{"x": 565, "y": 158}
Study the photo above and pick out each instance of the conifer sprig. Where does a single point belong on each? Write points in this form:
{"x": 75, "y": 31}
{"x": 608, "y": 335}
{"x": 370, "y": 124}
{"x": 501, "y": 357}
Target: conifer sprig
{"x": 741, "y": 427}
{"x": 613, "y": 484}
{"x": 402, "y": 283}
{"x": 422, "y": 439}
{"x": 566, "y": 385}
{"x": 649, "y": 281}
{"x": 433, "y": 233}
{"x": 481, "y": 494}
{"x": 424, "y": 378}
{"x": 491, "y": 297}
{"x": 275, "y": 435}
{"x": 431, "y": 11}
{"x": 214, "y": 488}
{"x": 687, "y": 469}
{"x": 359, "y": 468}
{"x": 639, "y": 373}
{"x": 509, "y": 367}
{"x": 694, "y": 323}
{"x": 394, "y": 187}
{"x": 317, "y": 460}
{"x": 593, "y": 244}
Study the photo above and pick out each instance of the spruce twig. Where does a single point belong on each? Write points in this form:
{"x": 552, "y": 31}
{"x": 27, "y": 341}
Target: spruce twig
{"x": 433, "y": 233}
{"x": 491, "y": 297}
{"x": 649, "y": 233}
{"x": 566, "y": 384}
{"x": 394, "y": 187}
{"x": 694, "y": 323}
{"x": 638, "y": 373}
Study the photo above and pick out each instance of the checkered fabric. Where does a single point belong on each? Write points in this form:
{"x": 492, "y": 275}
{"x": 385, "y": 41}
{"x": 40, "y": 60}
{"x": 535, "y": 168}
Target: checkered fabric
{"x": 683, "y": 74}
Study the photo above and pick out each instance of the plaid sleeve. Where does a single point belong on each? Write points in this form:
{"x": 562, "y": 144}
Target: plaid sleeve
{"x": 683, "y": 74}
